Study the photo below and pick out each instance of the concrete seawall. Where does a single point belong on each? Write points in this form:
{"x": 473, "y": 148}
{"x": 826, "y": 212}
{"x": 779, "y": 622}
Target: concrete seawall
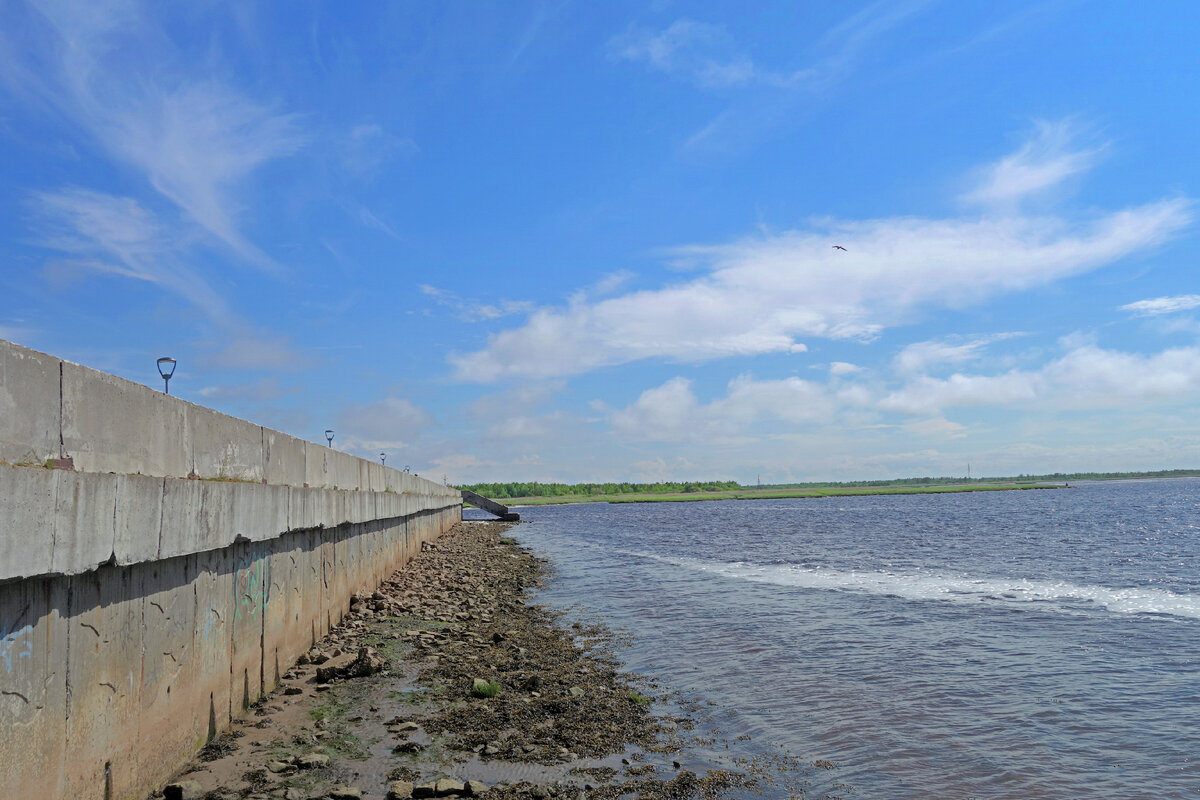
{"x": 160, "y": 579}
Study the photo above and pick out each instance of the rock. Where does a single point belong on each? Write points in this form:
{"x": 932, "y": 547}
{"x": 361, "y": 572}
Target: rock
{"x": 576, "y": 692}
{"x": 292, "y": 690}
{"x": 279, "y": 766}
{"x": 400, "y": 790}
{"x": 475, "y": 788}
{"x": 448, "y": 786}
{"x": 183, "y": 790}
{"x": 366, "y": 662}
{"x": 532, "y": 683}
{"x": 292, "y": 793}
{"x": 425, "y": 790}
{"x": 344, "y": 793}
{"x": 408, "y": 747}
{"x": 313, "y": 760}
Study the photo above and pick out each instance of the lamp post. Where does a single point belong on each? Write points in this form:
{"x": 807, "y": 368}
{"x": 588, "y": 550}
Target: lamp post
{"x": 166, "y": 368}
{"x": 383, "y": 459}
{"x": 329, "y": 437}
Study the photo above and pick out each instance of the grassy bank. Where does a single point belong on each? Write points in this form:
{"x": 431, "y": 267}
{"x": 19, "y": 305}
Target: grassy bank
{"x": 770, "y": 494}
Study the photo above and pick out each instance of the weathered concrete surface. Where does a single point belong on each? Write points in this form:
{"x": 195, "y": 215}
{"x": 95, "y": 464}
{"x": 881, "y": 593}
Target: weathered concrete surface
{"x": 29, "y": 406}
{"x": 162, "y": 583}
{"x": 114, "y": 677}
{"x": 224, "y": 447}
{"x": 114, "y": 425}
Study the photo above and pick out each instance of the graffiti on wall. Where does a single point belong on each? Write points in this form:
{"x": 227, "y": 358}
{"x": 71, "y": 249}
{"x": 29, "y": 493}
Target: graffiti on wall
{"x": 15, "y": 645}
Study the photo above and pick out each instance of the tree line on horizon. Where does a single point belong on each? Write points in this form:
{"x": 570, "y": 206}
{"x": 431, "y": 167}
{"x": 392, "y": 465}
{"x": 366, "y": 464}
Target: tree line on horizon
{"x": 539, "y": 489}
{"x": 536, "y": 489}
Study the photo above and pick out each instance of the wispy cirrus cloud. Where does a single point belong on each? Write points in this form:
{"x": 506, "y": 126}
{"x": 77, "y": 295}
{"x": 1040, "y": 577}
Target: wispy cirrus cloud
{"x": 119, "y": 78}
{"x": 1047, "y": 159}
{"x": 473, "y": 310}
{"x": 1163, "y": 305}
{"x": 920, "y": 356}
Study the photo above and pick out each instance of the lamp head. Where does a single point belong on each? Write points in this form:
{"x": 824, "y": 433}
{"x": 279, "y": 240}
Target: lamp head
{"x": 166, "y": 367}
{"x": 329, "y": 437}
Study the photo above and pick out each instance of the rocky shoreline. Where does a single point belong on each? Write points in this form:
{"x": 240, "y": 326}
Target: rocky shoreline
{"x": 448, "y": 682}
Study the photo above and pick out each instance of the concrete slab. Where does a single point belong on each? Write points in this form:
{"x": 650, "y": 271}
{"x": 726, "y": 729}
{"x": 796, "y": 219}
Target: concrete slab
{"x": 104, "y": 662}
{"x": 29, "y": 405}
{"x": 182, "y": 523}
{"x": 33, "y": 703}
{"x": 260, "y": 512}
{"x": 172, "y": 712}
{"x": 224, "y": 447}
{"x": 114, "y": 425}
{"x": 283, "y": 459}
{"x": 139, "y": 518}
{"x": 84, "y": 521}
{"x": 251, "y": 584}
{"x": 214, "y": 593}
{"x": 27, "y": 524}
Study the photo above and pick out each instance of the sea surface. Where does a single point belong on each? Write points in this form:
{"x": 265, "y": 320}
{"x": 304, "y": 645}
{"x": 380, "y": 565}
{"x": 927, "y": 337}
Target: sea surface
{"x": 1025, "y": 644}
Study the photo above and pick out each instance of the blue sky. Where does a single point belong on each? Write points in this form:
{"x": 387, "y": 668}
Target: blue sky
{"x": 595, "y": 241}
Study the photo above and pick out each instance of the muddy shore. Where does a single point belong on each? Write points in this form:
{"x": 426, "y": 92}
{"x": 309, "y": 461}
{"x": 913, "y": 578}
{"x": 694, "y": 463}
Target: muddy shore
{"x": 449, "y": 682}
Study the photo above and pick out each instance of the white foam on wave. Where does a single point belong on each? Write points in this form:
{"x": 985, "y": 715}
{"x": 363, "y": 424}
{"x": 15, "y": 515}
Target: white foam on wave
{"x": 922, "y": 585}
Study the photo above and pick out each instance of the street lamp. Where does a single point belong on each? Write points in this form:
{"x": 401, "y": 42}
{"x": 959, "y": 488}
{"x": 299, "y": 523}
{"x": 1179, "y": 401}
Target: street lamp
{"x": 329, "y": 437}
{"x": 166, "y": 368}
{"x": 383, "y": 459}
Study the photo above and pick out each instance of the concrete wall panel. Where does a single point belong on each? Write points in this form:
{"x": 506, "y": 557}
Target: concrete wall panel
{"x": 252, "y": 581}
{"x": 114, "y": 425}
{"x": 139, "y": 518}
{"x": 29, "y": 405}
{"x": 283, "y": 459}
{"x": 84, "y": 521}
{"x": 27, "y": 524}
{"x": 224, "y": 447}
{"x": 33, "y": 677}
{"x": 172, "y": 715}
{"x": 104, "y": 663}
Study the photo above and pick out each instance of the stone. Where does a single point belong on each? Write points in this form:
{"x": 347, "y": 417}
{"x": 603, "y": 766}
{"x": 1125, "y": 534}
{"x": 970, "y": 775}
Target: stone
{"x": 344, "y": 793}
{"x": 576, "y": 691}
{"x": 425, "y": 790}
{"x": 475, "y": 788}
{"x": 279, "y": 766}
{"x": 313, "y": 760}
{"x": 400, "y": 790}
{"x": 448, "y": 786}
{"x": 183, "y": 790}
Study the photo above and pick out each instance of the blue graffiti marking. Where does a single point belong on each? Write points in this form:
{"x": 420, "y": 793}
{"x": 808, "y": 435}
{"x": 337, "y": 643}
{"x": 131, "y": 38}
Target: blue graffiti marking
{"x": 17, "y": 644}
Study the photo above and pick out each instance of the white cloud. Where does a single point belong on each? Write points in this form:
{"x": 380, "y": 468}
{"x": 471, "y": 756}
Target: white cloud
{"x": 1045, "y": 161}
{"x": 110, "y": 235}
{"x": 926, "y": 395}
{"x": 757, "y": 295}
{"x": 920, "y": 356}
{"x": 843, "y": 368}
{"x": 473, "y": 310}
{"x": 388, "y": 424}
{"x": 368, "y": 147}
{"x": 245, "y": 348}
{"x": 697, "y": 50}
{"x": 1163, "y": 305}
{"x": 1086, "y": 377}
{"x": 671, "y": 412}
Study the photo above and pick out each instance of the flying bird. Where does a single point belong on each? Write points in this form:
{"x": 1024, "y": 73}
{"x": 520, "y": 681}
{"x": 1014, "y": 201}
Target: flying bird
{"x": 838, "y": 247}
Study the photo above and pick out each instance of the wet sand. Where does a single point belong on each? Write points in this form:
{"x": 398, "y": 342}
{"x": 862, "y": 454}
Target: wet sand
{"x": 448, "y": 681}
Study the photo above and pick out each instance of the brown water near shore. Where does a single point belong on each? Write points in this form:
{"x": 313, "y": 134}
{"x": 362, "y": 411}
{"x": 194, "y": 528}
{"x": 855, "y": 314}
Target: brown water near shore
{"x": 448, "y": 681}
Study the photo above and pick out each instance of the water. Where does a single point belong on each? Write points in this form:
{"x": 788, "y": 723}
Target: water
{"x": 1035, "y": 644}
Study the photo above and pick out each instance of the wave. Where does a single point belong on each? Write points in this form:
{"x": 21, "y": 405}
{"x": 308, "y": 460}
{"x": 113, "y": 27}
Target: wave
{"x": 930, "y": 585}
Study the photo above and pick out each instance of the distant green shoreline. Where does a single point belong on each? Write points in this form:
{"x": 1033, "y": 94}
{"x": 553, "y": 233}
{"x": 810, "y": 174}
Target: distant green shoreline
{"x": 535, "y": 493}
{"x": 766, "y": 494}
